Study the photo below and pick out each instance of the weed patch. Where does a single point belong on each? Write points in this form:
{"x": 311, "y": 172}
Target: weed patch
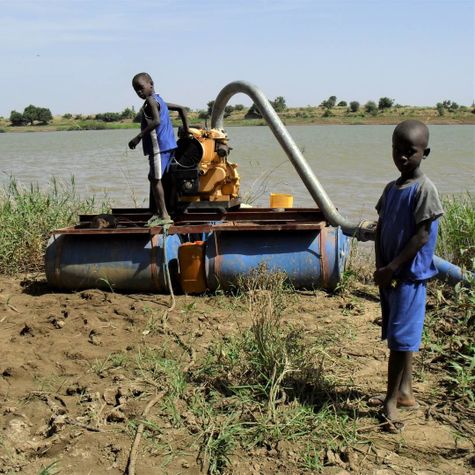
{"x": 29, "y": 214}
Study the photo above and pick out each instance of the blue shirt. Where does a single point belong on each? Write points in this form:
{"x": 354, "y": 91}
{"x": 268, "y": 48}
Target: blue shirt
{"x": 401, "y": 208}
{"x": 165, "y": 134}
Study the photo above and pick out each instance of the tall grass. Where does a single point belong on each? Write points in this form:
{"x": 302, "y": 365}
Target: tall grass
{"x": 456, "y": 241}
{"x": 28, "y": 214}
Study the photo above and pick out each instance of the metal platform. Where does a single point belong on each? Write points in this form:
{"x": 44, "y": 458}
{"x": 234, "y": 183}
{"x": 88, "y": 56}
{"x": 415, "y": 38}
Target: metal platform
{"x": 134, "y": 220}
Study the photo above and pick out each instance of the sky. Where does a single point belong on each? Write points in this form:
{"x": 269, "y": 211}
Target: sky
{"x": 79, "y": 56}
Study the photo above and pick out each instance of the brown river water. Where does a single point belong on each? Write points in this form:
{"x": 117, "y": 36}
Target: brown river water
{"x": 353, "y": 163}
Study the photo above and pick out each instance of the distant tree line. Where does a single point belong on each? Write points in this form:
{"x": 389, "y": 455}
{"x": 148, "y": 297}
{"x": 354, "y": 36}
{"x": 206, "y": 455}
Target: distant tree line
{"x": 42, "y": 115}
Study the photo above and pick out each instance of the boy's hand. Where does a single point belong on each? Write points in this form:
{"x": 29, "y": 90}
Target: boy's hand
{"x": 133, "y": 143}
{"x": 383, "y": 276}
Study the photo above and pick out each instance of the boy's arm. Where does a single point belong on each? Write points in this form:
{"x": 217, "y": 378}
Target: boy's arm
{"x": 155, "y": 122}
{"x": 377, "y": 240}
{"x": 384, "y": 275}
{"x": 182, "y": 113}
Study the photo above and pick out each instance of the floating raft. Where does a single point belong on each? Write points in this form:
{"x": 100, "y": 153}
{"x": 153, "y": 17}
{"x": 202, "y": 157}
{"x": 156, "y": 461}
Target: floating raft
{"x": 203, "y": 250}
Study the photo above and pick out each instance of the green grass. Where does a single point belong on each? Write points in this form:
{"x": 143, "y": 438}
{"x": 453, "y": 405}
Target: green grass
{"x": 254, "y": 389}
{"x": 456, "y": 241}
{"x": 29, "y": 214}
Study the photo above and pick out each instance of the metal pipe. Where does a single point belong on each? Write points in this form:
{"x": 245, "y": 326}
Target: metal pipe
{"x": 364, "y": 230}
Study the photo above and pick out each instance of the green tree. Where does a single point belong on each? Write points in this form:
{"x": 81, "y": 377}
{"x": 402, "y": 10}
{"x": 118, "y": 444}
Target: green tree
{"x": 239, "y": 107}
{"x": 67, "y": 116}
{"x": 253, "y": 113}
{"x": 342, "y": 104}
{"x": 279, "y": 104}
{"x": 30, "y": 114}
{"x": 33, "y": 114}
{"x": 354, "y": 106}
{"x": 16, "y": 118}
{"x": 440, "y": 109}
{"x": 329, "y": 103}
{"x": 43, "y": 115}
{"x": 127, "y": 113}
{"x": 385, "y": 103}
{"x": 371, "y": 108}
{"x": 228, "y": 110}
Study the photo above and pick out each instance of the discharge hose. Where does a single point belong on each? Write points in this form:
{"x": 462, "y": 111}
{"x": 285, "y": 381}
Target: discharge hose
{"x": 364, "y": 230}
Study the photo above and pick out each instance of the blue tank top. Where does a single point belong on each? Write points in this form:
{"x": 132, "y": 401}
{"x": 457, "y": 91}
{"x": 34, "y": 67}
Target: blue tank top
{"x": 165, "y": 134}
{"x": 398, "y": 208}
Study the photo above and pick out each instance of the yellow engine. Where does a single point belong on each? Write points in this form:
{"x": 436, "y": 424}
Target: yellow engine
{"x": 201, "y": 171}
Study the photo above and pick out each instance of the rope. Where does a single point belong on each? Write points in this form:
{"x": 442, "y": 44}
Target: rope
{"x": 168, "y": 280}
{"x": 140, "y": 427}
{"x": 138, "y": 435}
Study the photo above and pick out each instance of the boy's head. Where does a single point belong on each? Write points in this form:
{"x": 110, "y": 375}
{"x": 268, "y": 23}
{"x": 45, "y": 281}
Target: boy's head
{"x": 143, "y": 85}
{"x": 410, "y": 145}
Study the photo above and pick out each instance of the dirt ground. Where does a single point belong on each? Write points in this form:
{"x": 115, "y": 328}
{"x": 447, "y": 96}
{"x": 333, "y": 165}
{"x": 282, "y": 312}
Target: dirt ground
{"x": 71, "y": 390}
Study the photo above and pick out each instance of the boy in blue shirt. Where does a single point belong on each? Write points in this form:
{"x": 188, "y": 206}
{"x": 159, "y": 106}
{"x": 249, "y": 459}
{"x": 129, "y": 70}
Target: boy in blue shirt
{"x": 406, "y": 235}
{"x": 158, "y": 141}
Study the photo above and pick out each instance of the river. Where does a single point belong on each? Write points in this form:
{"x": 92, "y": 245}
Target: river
{"x": 353, "y": 163}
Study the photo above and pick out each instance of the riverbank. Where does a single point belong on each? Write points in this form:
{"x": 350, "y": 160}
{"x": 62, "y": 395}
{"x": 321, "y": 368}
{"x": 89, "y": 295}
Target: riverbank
{"x": 79, "y": 368}
{"x": 266, "y": 379}
{"x": 291, "y": 116}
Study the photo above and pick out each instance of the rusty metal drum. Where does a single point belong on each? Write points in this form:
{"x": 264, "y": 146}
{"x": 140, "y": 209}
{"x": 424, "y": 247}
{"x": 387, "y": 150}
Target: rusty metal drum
{"x": 133, "y": 262}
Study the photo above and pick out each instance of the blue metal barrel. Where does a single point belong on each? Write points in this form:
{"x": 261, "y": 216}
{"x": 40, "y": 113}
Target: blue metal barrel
{"x": 121, "y": 261}
{"x": 311, "y": 258}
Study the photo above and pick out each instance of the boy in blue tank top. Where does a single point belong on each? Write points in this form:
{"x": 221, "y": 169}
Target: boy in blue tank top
{"x": 406, "y": 235}
{"x": 158, "y": 141}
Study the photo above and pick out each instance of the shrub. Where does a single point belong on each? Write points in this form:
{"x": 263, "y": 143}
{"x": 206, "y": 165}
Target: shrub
{"x": 456, "y": 241}
{"x": 279, "y": 104}
{"x": 371, "y": 108}
{"x": 67, "y": 116}
{"x": 253, "y": 113}
{"x": 329, "y": 103}
{"x": 342, "y": 104}
{"x": 440, "y": 109}
{"x": 16, "y": 119}
{"x": 108, "y": 117}
{"x": 354, "y": 106}
{"x": 127, "y": 113}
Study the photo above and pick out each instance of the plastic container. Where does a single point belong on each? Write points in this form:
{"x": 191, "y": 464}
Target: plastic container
{"x": 191, "y": 259}
{"x": 281, "y": 200}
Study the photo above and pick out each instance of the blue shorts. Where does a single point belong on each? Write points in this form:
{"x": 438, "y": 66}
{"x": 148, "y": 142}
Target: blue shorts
{"x": 403, "y": 309}
{"x": 159, "y": 163}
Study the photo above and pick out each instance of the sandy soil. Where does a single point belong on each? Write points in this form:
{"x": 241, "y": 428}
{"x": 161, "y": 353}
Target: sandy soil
{"x": 71, "y": 391}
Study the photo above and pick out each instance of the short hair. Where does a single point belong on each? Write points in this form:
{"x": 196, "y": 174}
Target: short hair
{"x": 142, "y": 75}
{"x": 413, "y": 126}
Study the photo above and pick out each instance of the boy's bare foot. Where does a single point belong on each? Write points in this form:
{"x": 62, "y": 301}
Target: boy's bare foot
{"x": 155, "y": 220}
{"x": 393, "y": 426}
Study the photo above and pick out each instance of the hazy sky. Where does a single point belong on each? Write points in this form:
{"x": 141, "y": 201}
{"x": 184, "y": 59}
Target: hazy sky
{"x": 79, "y": 56}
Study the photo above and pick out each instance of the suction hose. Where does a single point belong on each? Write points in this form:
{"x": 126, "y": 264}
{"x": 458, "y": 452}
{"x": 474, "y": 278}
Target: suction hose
{"x": 363, "y": 231}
